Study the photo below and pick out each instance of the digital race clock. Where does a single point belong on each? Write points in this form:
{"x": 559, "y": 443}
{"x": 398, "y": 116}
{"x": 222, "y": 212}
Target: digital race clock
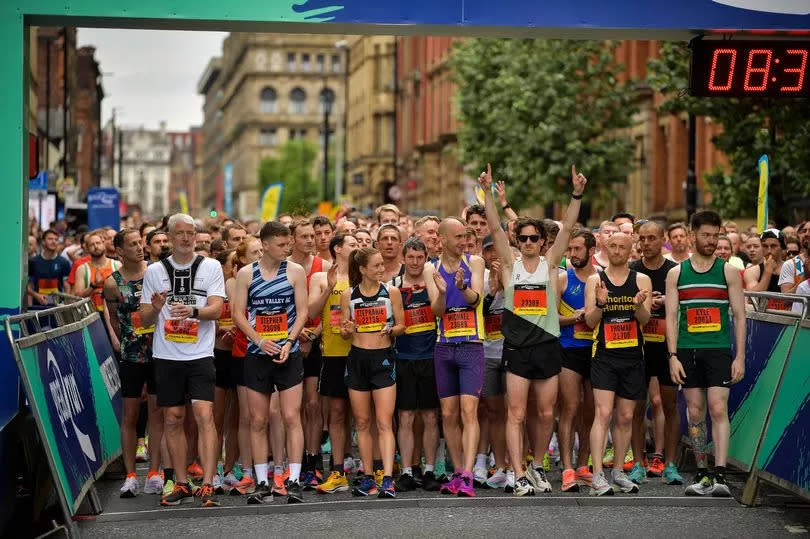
{"x": 749, "y": 68}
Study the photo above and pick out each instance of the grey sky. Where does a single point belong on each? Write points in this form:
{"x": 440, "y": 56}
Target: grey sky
{"x": 154, "y": 73}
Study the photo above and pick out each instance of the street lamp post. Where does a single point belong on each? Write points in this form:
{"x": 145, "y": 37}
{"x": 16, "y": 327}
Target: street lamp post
{"x": 327, "y": 98}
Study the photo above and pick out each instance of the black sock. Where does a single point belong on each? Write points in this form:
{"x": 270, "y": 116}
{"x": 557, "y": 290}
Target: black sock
{"x": 378, "y": 465}
{"x": 317, "y": 461}
{"x": 168, "y": 474}
{"x": 324, "y": 436}
{"x": 347, "y": 456}
{"x": 720, "y": 470}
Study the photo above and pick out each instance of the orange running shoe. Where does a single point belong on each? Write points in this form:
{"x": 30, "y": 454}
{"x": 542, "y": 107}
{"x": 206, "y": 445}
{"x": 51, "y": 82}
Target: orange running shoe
{"x": 246, "y": 485}
{"x": 656, "y": 469}
{"x": 629, "y": 461}
{"x": 569, "y": 481}
{"x": 584, "y": 476}
{"x": 195, "y": 471}
{"x": 278, "y": 486}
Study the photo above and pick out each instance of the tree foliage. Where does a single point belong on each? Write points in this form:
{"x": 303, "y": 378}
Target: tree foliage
{"x": 751, "y": 127}
{"x": 533, "y": 108}
{"x": 294, "y": 168}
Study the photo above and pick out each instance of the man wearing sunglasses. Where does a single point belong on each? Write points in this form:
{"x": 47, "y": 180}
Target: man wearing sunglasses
{"x": 793, "y": 270}
{"x": 531, "y": 327}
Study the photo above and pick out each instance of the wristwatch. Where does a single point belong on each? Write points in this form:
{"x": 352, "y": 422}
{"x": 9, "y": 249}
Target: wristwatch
{"x": 600, "y": 305}
{"x": 670, "y": 354}
{"x": 194, "y": 312}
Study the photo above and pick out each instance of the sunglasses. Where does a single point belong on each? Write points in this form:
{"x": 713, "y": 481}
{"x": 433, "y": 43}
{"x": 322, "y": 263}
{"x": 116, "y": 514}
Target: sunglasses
{"x": 793, "y": 253}
{"x": 523, "y": 238}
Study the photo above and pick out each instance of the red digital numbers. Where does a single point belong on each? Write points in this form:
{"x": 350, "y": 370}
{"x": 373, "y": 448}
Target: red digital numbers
{"x": 799, "y": 70}
{"x": 764, "y": 71}
{"x": 732, "y": 54}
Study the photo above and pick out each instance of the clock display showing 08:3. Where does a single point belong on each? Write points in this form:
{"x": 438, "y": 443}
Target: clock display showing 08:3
{"x": 731, "y": 68}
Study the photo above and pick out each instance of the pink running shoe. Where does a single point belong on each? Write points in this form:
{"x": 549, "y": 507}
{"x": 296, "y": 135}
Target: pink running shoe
{"x": 466, "y": 487}
{"x": 452, "y": 486}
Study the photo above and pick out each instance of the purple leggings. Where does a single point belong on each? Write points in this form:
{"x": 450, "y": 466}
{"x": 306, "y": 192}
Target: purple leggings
{"x": 459, "y": 369}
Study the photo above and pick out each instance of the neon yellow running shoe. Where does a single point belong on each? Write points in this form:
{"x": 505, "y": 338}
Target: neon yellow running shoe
{"x": 547, "y": 462}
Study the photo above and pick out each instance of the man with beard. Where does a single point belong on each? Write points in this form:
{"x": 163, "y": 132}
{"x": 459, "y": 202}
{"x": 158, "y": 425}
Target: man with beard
{"x": 157, "y": 244}
{"x": 47, "y": 271}
{"x": 91, "y": 275}
{"x": 699, "y": 293}
{"x": 389, "y": 243}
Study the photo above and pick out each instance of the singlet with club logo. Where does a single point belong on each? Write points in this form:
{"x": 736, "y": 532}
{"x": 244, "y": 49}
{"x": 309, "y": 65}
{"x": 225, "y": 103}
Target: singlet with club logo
{"x": 703, "y": 320}
{"x": 271, "y": 307}
{"x": 461, "y": 322}
{"x": 618, "y": 335}
{"x": 530, "y": 317}
{"x": 371, "y": 313}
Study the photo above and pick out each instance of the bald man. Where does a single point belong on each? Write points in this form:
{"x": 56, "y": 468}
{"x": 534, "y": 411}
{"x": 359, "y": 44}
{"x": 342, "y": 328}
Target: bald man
{"x": 606, "y": 230}
{"x": 618, "y": 302}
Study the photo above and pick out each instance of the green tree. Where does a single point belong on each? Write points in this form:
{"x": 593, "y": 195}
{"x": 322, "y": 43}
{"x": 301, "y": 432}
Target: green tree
{"x": 294, "y": 167}
{"x": 533, "y": 108}
{"x": 751, "y": 127}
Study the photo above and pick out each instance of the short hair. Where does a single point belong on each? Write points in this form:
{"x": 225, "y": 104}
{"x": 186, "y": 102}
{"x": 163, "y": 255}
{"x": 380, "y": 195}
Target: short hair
{"x": 605, "y": 223}
{"x": 476, "y": 209}
{"x": 724, "y": 237}
{"x": 233, "y": 226}
{"x": 97, "y": 232}
{"x": 625, "y": 215}
{"x": 389, "y": 226}
{"x": 298, "y": 223}
{"x": 144, "y": 226}
{"x": 470, "y": 231}
{"x": 523, "y": 222}
{"x": 283, "y": 214}
{"x": 728, "y": 224}
{"x": 49, "y": 231}
{"x": 414, "y": 244}
{"x": 422, "y": 220}
{"x": 658, "y": 226}
{"x": 587, "y": 236}
{"x": 177, "y": 218}
{"x": 202, "y": 229}
{"x": 337, "y": 241}
{"x": 676, "y": 226}
{"x": 362, "y": 231}
{"x": 120, "y": 237}
{"x": 218, "y": 245}
{"x": 154, "y": 233}
{"x": 272, "y": 229}
{"x": 552, "y": 228}
{"x": 222, "y": 256}
{"x": 386, "y": 207}
{"x": 322, "y": 220}
{"x": 705, "y": 217}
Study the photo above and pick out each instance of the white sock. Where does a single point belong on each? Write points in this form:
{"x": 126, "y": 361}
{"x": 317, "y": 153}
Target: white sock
{"x": 408, "y": 470}
{"x": 480, "y": 460}
{"x": 261, "y": 473}
{"x": 278, "y": 470}
{"x": 295, "y": 471}
{"x": 428, "y": 468}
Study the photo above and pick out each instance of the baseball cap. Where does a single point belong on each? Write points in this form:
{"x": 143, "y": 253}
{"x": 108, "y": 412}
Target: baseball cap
{"x": 487, "y": 242}
{"x": 775, "y": 234}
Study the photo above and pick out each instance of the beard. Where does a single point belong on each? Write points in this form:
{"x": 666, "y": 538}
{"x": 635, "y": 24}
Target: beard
{"x": 579, "y": 263}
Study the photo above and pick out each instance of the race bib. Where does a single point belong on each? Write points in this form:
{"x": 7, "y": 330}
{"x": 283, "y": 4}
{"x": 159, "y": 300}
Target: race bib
{"x": 492, "y": 326}
{"x": 655, "y": 330}
{"x": 779, "y": 305}
{"x": 703, "y": 319}
{"x": 371, "y": 317}
{"x": 621, "y": 334}
{"x": 582, "y": 331}
{"x": 138, "y": 326}
{"x": 225, "y": 317}
{"x": 334, "y": 319}
{"x": 272, "y": 326}
{"x": 530, "y": 299}
{"x": 98, "y": 300}
{"x": 419, "y": 318}
{"x": 459, "y": 323}
{"x": 48, "y": 286}
{"x": 181, "y": 330}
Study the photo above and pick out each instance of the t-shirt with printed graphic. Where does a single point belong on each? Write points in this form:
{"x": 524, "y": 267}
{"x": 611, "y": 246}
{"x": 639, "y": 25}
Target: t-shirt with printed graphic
{"x": 184, "y": 340}
{"x": 136, "y": 340}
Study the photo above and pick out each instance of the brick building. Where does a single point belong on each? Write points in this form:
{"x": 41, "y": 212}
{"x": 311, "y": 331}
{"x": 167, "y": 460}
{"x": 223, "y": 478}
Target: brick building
{"x": 87, "y": 123}
{"x": 184, "y": 146}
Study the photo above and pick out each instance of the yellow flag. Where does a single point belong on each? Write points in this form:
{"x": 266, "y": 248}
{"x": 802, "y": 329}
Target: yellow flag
{"x": 271, "y": 202}
{"x": 183, "y": 199}
{"x": 762, "y": 197}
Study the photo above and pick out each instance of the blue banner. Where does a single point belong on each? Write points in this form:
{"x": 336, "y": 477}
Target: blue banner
{"x": 103, "y": 208}
{"x": 228, "y": 188}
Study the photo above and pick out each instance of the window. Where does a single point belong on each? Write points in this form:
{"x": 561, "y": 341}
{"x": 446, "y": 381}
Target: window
{"x": 298, "y": 101}
{"x": 357, "y": 179}
{"x": 326, "y": 98}
{"x": 268, "y": 101}
{"x": 140, "y": 155}
{"x": 291, "y": 61}
{"x": 319, "y": 61}
{"x": 305, "y": 63}
{"x": 158, "y": 156}
{"x": 335, "y": 63}
{"x": 268, "y": 136}
{"x": 298, "y": 134}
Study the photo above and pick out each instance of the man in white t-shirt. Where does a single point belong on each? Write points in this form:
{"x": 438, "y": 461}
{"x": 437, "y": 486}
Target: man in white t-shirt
{"x": 183, "y": 295}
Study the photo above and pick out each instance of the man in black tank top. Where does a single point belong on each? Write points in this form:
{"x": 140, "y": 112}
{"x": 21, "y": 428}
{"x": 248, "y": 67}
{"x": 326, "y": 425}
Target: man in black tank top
{"x": 663, "y": 391}
{"x": 617, "y": 303}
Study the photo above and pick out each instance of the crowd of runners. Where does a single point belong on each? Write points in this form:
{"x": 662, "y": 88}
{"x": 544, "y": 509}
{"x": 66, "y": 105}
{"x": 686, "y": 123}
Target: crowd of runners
{"x": 377, "y": 355}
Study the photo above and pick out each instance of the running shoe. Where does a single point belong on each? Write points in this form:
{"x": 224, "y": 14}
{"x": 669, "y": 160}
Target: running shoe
{"x": 509, "y": 488}
{"x": 405, "y": 483}
{"x": 607, "y": 460}
{"x": 479, "y": 477}
{"x": 441, "y": 468}
{"x": 387, "y": 489}
{"x": 154, "y": 484}
{"x": 278, "y": 488}
{"x": 671, "y": 475}
{"x": 451, "y": 487}
{"x": 656, "y": 468}
{"x": 295, "y": 493}
{"x": 237, "y": 471}
{"x": 523, "y": 487}
{"x": 229, "y": 481}
{"x": 206, "y": 495}
{"x": 417, "y": 476}
{"x": 624, "y": 484}
{"x": 637, "y": 474}
{"x": 547, "y": 463}
{"x": 310, "y": 481}
{"x": 600, "y": 486}
{"x": 180, "y": 493}
{"x": 336, "y": 482}
{"x": 168, "y": 487}
{"x": 349, "y": 466}
{"x": 497, "y": 479}
{"x": 130, "y": 486}
{"x": 569, "y": 481}
{"x": 216, "y": 482}
{"x": 584, "y": 476}
{"x": 140, "y": 454}
{"x": 543, "y": 484}
{"x": 719, "y": 486}
{"x": 246, "y": 485}
{"x": 367, "y": 487}
{"x": 430, "y": 483}
{"x": 702, "y": 486}
{"x": 378, "y": 477}
{"x": 466, "y": 488}
{"x": 260, "y": 495}
{"x": 628, "y": 461}
{"x": 195, "y": 471}
{"x": 326, "y": 447}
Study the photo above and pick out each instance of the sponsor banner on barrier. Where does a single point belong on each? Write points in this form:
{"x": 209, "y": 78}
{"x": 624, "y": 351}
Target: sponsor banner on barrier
{"x": 72, "y": 381}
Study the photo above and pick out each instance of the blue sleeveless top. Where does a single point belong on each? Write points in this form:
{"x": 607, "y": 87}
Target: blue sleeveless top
{"x": 572, "y": 298}
{"x": 271, "y": 307}
{"x": 461, "y": 322}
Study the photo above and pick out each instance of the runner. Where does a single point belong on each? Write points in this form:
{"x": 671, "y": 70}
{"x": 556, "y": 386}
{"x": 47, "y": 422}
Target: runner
{"x": 233, "y": 235}
{"x": 182, "y": 296}
{"x": 326, "y": 289}
{"x": 273, "y": 291}
{"x": 416, "y": 376}
{"x": 387, "y": 214}
{"x": 576, "y": 339}
{"x": 372, "y": 316}
{"x": 699, "y": 293}
{"x": 47, "y": 271}
{"x": 476, "y": 218}
{"x": 324, "y": 231}
{"x": 457, "y": 283}
{"x": 122, "y": 293}
{"x": 363, "y": 238}
{"x": 617, "y": 304}
{"x": 662, "y": 390}
{"x": 157, "y": 243}
{"x": 427, "y": 230}
{"x": 606, "y": 230}
{"x": 91, "y": 275}
{"x": 531, "y": 352}
{"x": 389, "y": 242}
{"x": 679, "y": 242}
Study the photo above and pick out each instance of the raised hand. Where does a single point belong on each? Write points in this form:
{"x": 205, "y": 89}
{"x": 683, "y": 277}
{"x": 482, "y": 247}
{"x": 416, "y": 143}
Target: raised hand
{"x": 578, "y": 180}
{"x": 331, "y": 276}
{"x": 495, "y": 284}
{"x": 485, "y": 179}
{"x": 500, "y": 187}
{"x": 601, "y": 292}
{"x": 460, "y": 278}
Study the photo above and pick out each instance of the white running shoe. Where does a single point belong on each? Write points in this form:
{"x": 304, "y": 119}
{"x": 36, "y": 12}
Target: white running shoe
{"x": 523, "y": 487}
{"x": 509, "y": 488}
{"x": 600, "y": 486}
{"x": 479, "y": 476}
{"x": 153, "y": 485}
{"x": 349, "y": 466}
{"x": 229, "y": 481}
{"x": 543, "y": 484}
{"x": 141, "y": 454}
{"x": 621, "y": 480}
{"x": 498, "y": 479}
{"x": 216, "y": 482}
{"x": 130, "y": 487}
